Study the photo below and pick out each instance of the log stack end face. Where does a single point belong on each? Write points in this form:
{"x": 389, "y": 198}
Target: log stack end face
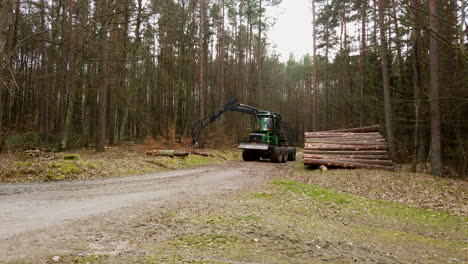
{"x": 349, "y": 148}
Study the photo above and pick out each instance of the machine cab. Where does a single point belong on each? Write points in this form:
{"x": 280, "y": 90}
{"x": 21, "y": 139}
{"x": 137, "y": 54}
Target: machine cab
{"x": 264, "y": 123}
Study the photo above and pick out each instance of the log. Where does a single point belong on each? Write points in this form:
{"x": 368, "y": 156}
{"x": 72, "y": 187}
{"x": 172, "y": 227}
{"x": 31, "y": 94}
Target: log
{"x": 361, "y": 138}
{"x": 331, "y": 156}
{"x": 347, "y": 152}
{"x": 364, "y": 161}
{"x": 337, "y": 134}
{"x": 347, "y": 142}
{"x": 374, "y": 128}
{"x": 177, "y": 152}
{"x": 343, "y": 147}
{"x": 347, "y": 164}
{"x": 201, "y": 153}
{"x": 169, "y": 153}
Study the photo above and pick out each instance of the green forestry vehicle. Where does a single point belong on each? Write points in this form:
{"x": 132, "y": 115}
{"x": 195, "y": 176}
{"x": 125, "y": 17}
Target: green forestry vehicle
{"x": 268, "y": 140}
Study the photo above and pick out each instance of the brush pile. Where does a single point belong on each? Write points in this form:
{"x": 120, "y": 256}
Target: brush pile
{"x": 362, "y": 147}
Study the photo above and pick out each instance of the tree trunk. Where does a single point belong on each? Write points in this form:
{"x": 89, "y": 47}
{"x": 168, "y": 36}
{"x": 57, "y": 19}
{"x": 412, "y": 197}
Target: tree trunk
{"x": 315, "y": 83}
{"x": 386, "y": 81}
{"x": 362, "y": 61}
{"x": 401, "y": 65}
{"x": 45, "y": 80}
{"x": 102, "y": 5}
{"x": 417, "y": 46}
{"x": 220, "y": 59}
{"x": 202, "y": 59}
{"x": 71, "y": 78}
{"x": 259, "y": 59}
{"x": 5, "y": 15}
{"x": 436, "y": 156}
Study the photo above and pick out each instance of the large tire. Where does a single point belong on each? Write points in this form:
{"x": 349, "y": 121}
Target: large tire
{"x": 249, "y": 155}
{"x": 284, "y": 155}
{"x": 291, "y": 154}
{"x": 276, "y": 155}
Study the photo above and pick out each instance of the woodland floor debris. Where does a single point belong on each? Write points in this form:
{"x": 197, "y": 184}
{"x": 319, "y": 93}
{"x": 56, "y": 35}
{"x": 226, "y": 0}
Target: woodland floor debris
{"x": 298, "y": 215}
{"x": 122, "y": 160}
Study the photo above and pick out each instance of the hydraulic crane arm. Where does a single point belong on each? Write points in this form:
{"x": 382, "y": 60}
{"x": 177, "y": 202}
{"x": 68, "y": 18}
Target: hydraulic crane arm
{"x": 232, "y": 105}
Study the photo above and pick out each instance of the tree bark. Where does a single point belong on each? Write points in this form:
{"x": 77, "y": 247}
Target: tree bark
{"x": 220, "y": 55}
{"x": 417, "y": 48}
{"x": 436, "y": 156}
{"x": 45, "y": 80}
{"x": 71, "y": 78}
{"x": 315, "y": 82}
{"x": 362, "y": 59}
{"x": 386, "y": 81}
{"x": 202, "y": 58}
{"x": 102, "y": 55}
{"x": 5, "y": 15}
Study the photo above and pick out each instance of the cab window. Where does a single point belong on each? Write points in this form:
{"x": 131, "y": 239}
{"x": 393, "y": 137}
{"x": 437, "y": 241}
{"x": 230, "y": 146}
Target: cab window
{"x": 264, "y": 124}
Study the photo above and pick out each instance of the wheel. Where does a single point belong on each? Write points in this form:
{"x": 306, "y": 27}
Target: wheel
{"x": 284, "y": 155}
{"x": 276, "y": 155}
{"x": 250, "y": 155}
{"x": 291, "y": 154}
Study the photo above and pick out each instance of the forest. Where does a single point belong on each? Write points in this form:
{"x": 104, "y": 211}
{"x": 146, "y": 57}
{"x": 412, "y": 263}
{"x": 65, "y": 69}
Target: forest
{"x": 93, "y": 73}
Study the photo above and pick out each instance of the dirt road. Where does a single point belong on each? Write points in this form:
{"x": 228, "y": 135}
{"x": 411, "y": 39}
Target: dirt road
{"x": 26, "y": 207}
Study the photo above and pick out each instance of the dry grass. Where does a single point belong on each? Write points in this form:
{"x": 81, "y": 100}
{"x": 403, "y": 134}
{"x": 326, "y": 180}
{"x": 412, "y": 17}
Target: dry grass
{"x": 123, "y": 160}
{"x": 419, "y": 190}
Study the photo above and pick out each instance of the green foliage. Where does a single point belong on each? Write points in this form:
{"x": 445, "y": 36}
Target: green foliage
{"x": 261, "y": 195}
{"x": 71, "y": 157}
{"x": 59, "y": 171}
{"x": 24, "y": 141}
{"x": 192, "y": 160}
{"x": 21, "y": 164}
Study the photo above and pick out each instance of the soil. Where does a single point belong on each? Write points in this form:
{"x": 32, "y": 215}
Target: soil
{"x": 31, "y": 206}
{"x": 234, "y": 212}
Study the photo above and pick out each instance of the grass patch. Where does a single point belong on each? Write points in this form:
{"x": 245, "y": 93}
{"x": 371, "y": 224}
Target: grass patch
{"x": 71, "y": 157}
{"x": 376, "y": 207}
{"x": 261, "y": 195}
{"x": 87, "y": 164}
{"x": 207, "y": 240}
{"x": 193, "y": 160}
{"x": 299, "y": 222}
{"x": 161, "y": 258}
{"x": 312, "y": 191}
{"x": 253, "y": 217}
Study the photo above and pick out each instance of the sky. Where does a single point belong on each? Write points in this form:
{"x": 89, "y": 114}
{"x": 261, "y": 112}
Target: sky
{"x": 292, "y": 32}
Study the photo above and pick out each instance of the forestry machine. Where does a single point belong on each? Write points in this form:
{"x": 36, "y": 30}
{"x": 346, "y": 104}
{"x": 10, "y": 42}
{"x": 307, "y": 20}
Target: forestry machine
{"x": 268, "y": 140}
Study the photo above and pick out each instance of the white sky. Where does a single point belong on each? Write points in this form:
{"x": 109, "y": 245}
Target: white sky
{"x": 292, "y": 32}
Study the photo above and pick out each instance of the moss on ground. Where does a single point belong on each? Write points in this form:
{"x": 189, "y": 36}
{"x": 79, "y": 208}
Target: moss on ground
{"x": 87, "y": 166}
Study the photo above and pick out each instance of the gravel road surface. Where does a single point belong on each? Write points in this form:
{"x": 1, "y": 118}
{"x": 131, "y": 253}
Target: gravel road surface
{"x": 27, "y": 207}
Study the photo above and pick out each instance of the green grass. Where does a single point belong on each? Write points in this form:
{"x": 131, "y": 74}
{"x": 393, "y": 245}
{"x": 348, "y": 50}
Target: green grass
{"x": 193, "y": 160}
{"x": 377, "y": 207}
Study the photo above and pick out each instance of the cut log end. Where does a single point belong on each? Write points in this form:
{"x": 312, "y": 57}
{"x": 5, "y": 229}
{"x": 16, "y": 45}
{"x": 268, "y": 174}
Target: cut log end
{"x": 362, "y": 147}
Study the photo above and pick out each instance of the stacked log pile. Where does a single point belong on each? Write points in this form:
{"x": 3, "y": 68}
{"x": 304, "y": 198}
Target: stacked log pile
{"x": 362, "y": 147}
